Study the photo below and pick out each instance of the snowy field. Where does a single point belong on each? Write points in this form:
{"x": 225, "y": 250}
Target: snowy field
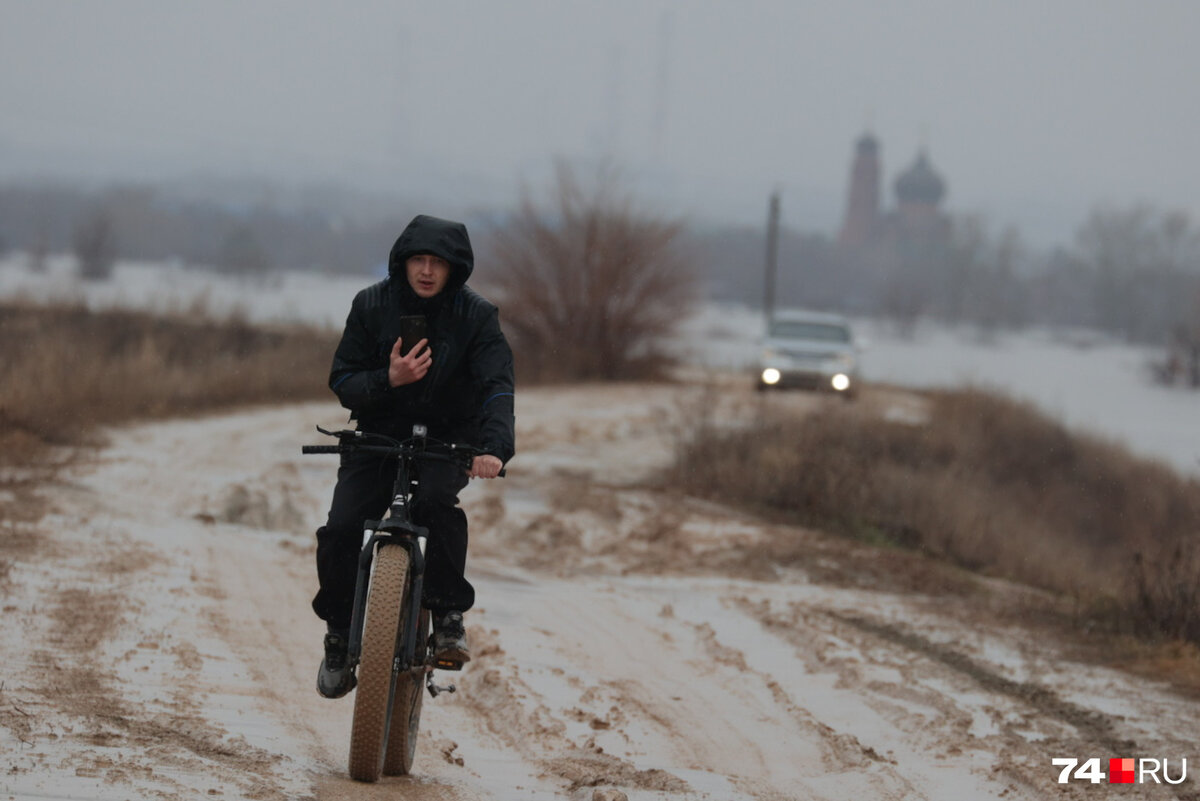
{"x": 1086, "y": 380}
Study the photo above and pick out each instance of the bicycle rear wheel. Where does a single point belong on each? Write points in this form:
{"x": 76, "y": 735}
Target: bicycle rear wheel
{"x": 376, "y": 681}
{"x": 406, "y": 705}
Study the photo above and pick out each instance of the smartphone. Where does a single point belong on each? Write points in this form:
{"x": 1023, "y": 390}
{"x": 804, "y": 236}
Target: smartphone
{"x": 412, "y": 330}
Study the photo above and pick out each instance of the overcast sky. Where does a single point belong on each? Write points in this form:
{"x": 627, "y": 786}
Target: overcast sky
{"x": 1034, "y": 111}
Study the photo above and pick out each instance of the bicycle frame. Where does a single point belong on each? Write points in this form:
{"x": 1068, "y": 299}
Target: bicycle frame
{"x": 398, "y": 529}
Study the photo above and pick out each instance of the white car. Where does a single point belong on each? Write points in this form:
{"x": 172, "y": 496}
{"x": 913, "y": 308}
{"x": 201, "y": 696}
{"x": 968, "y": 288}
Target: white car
{"x": 814, "y": 350}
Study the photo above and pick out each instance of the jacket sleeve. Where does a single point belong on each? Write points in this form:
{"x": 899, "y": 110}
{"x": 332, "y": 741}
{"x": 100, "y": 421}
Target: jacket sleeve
{"x": 491, "y": 364}
{"x": 356, "y": 376}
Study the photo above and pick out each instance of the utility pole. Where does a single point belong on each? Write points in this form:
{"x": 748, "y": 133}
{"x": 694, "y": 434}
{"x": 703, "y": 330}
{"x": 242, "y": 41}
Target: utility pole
{"x": 772, "y": 258}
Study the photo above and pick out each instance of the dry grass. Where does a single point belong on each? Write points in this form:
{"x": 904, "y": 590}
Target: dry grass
{"x": 65, "y": 370}
{"x": 988, "y": 484}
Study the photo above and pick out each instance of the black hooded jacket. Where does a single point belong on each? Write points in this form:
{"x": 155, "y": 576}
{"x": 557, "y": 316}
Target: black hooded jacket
{"x": 467, "y": 395}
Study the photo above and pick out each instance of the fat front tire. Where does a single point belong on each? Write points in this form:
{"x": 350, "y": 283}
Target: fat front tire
{"x": 373, "y": 698}
{"x": 406, "y": 706}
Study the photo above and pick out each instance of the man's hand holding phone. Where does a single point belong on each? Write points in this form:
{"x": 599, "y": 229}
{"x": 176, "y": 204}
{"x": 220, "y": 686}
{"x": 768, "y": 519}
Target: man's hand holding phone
{"x": 411, "y": 368}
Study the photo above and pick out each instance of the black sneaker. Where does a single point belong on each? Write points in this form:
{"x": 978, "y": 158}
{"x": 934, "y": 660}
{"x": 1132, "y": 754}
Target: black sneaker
{"x": 335, "y": 678}
{"x": 450, "y": 639}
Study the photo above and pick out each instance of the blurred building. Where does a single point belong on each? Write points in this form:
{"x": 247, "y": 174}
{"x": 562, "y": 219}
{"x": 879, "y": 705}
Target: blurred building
{"x": 919, "y": 192}
{"x": 892, "y": 256}
{"x": 862, "y": 221}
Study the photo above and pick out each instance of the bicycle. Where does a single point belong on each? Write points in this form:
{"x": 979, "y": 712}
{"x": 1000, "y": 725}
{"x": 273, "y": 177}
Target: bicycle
{"x": 390, "y": 644}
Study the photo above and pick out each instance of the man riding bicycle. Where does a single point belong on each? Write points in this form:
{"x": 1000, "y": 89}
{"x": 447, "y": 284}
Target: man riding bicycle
{"x": 457, "y": 380}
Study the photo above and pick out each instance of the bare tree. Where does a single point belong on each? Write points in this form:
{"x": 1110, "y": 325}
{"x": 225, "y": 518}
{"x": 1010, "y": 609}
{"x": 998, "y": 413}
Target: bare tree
{"x": 591, "y": 287}
{"x": 243, "y": 254}
{"x": 1145, "y": 264}
{"x": 39, "y": 249}
{"x": 995, "y": 296}
{"x": 95, "y": 246}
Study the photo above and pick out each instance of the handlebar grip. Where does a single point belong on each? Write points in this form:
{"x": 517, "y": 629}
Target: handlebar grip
{"x": 320, "y": 448}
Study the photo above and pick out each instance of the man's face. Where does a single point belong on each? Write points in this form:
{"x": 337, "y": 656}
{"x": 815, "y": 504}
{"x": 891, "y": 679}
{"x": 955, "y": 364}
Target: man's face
{"x": 427, "y": 274}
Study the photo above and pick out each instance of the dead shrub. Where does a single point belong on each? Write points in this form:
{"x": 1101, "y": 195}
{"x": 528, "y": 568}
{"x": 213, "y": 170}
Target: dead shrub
{"x": 1166, "y": 590}
{"x": 591, "y": 286}
{"x": 987, "y": 483}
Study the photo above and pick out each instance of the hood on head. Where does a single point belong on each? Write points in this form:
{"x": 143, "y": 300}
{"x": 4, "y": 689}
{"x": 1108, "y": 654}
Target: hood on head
{"x": 445, "y": 239}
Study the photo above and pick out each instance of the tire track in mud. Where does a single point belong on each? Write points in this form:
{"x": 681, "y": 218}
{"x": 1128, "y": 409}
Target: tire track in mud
{"x": 132, "y": 688}
{"x": 1092, "y": 725}
{"x": 835, "y": 755}
{"x": 1035, "y": 724}
{"x": 498, "y": 695}
{"x": 842, "y": 750}
{"x": 667, "y": 694}
{"x": 83, "y": 675}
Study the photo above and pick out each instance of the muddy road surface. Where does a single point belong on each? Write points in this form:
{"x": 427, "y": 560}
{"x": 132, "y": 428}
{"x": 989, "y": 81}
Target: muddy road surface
{"x": 158, "y": 641}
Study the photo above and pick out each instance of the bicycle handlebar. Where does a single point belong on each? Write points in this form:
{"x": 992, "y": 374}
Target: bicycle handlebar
{"x": 350, "y": 441}
{"x": 320, "y": 448}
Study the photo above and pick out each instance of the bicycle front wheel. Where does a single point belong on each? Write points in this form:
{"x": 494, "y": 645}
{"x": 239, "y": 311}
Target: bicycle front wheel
{"x": 376, "y": 681}
{"x": 406, "y": 706}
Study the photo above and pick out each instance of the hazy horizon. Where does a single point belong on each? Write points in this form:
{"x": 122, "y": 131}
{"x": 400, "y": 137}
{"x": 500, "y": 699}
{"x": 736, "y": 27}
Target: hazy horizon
{"x": 1033, "y": 113}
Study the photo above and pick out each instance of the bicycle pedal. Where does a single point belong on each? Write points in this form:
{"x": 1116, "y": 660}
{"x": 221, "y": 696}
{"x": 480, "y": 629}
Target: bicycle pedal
{"x": 448, "y": 664}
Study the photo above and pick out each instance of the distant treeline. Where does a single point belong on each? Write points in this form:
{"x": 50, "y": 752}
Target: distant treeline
{"x": 1132, "y": 271}
{"x": 138, "y": 222}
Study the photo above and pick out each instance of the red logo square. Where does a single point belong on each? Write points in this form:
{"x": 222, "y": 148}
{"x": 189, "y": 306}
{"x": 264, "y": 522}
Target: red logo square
{"x": 1120, "y": 771}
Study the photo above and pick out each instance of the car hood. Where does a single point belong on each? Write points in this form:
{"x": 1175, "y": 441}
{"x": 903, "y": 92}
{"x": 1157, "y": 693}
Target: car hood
{"x": 809, "y": 346}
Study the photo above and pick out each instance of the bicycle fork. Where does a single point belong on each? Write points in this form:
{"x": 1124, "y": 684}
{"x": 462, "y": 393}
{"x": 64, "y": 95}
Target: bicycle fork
{"x": 413, "y": 539}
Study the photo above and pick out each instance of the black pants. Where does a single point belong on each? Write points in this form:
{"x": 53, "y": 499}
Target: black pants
{"x": 364, "y": 492}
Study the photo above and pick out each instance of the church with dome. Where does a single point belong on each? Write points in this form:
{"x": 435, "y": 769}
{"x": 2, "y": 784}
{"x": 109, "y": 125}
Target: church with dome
{"x": 919, "y": 191}
{"x": 892, "y": 255}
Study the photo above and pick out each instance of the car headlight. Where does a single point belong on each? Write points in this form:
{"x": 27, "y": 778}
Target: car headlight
{"x": 771, "y": 376}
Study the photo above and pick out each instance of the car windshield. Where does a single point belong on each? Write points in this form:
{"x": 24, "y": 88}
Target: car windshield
{"x": 820, "y": 332}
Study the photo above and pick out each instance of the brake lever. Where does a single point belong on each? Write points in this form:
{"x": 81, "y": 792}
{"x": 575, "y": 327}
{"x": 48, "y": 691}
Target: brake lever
{"x": 340, "y": 435}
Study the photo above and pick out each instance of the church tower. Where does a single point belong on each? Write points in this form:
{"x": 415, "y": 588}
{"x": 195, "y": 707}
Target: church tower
{"x": 861, "y": 224}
